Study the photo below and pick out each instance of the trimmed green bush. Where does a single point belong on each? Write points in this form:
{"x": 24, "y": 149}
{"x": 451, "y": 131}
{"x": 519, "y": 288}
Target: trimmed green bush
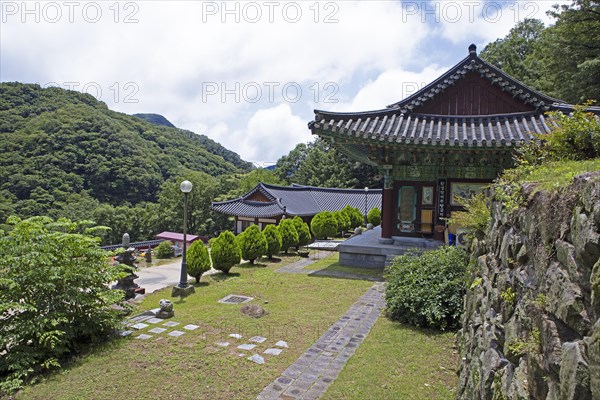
{"x": 225, "y": 252}
{"x": 343, "y": 221}
{"x": 273, "y": 240}
{"x": 427, "y": 289}
{"x": 198, "y": 260}
{"x": 324, "y": 225}
{"x": 374, "y": 216}
{"x": 253, "y": 243}
{"x": 355, "y": 216}
{"x": 289, "y": 235}
{"x": 165, "y": 250}
{"x": 304, "y": 237}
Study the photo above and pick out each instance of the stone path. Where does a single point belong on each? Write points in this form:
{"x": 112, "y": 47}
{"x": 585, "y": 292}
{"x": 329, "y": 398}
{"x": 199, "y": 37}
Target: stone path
{"x": 312, "y": 373}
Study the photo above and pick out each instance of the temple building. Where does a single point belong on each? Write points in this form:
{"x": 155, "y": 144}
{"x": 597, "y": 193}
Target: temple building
{"x": 267, "y": 204}
{"x": 445, "y": 142}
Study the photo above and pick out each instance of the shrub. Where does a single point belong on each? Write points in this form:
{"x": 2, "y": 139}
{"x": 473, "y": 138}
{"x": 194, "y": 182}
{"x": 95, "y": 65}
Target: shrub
{"x": 253, "y": 243}
{"x": 55, "y": 296}
{"x": 273, "y": 240}
{"x": 323, "y": 225}
{"x": 355, "y": 216}
{"x": 289, "y": 235}
{"x": 374, "y": 216}
{"x": 225, "y": 252}
{"x": 427, "y": 290}
{"x": 575, "y": 137}
{"x": 303, "y": 231}
{"x": 198, "y": 260}
{"x": 164, "y": 250}
{"x": 477, "y": 217}
{"x": 343, "y": 221}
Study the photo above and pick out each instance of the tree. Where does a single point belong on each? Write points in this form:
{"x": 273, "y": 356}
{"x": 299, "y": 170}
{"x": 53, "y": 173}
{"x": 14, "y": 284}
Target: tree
{"x": 343, "y": 221}
{"x": 289, "y": 235}
{"x": 374, "y": 216}
{"x": 225, "y": 252}
{"x": 253, "y": 243}
{"x": 55, "y": 296}
{"x": 303, "y": 231}
{"x": 165, "y": 250}
{"x": 273, "y": 240}
{"x": 323, "y": 225}
{"x": 198, "y": 260}
{"x": 355, "y": 216}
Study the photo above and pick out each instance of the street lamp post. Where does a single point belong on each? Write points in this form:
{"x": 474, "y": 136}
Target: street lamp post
{"x": 183, "y": 289}
{"x": 366, "y": 193}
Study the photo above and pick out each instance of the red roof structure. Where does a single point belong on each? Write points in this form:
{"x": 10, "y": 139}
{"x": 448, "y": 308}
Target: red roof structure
{"x": 177, "y": 237}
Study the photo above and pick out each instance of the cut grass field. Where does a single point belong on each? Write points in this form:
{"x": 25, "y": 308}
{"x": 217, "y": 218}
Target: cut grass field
{"x": 301, "y": 308}
{"x": 331, "y": 263}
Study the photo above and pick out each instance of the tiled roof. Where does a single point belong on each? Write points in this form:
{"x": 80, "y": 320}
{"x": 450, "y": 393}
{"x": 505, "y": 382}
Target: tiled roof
{"x": 176, "y": 236}
{"x": 392, "y": 126}
{"x": 298, "y": 200}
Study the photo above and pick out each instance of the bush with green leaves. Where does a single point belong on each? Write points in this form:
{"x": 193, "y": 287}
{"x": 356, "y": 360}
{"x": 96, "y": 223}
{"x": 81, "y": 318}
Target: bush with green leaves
{"x": 374, "y": 216}
{"x": 55, "y": 296}
{"x": 273, "y": 240}
{"x": 343, "y": 221}
{"x": 164, "y": 250}
{"x": 355, "y": 216}
{"x": 427, "y": 289}
{"x": 198, "y": 260}
{"x": 225, "y": 252}
{"x": 253, "y": 243}
{"x": 289, "y": 234}
{"x": 476, "y": 218}
{"x": 324, "y": 225}
{"x": 304, "y": 237}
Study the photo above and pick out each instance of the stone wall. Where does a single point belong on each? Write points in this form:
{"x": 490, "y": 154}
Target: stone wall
{"x": 531, "y": 328}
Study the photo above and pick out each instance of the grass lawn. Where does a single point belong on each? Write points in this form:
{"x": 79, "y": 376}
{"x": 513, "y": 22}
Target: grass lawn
{"x": 331, "y": 263}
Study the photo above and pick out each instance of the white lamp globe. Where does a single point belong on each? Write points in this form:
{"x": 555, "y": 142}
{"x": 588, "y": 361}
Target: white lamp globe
{"x": 186, "y": 186}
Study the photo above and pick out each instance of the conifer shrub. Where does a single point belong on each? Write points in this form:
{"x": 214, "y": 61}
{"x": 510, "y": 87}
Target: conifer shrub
{"x": 427, "y": 289}
{"x": 165, "y": 250}
{"x": 355, "y": 216}
{"x": 198, "y": 260}
{"x": 324, "y": 225}
{"x": 273, "y": 238}
{"x": 225, "y": 252}
{"x": 253, "y": 243}
{"x": 374, "y": 217}
{"x": 289, "y": 235}
{"x": 304, "y": 237}
{"x": 343, "y": 221}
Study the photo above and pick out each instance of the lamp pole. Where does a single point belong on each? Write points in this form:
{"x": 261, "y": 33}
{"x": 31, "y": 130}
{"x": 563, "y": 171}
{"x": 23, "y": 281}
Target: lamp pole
{"x": 366, "y": 192}
{"x": 186, "y": 188}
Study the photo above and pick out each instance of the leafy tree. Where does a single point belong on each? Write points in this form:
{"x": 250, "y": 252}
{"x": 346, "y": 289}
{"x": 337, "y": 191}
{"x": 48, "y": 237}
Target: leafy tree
{"x": 289, "y": 235}
{"x": 225, "y": 252}
{"x": 164, "y": 250}
{"x": 55, "y": 296}
{"x": 273, "y": 240}
{"x": 253, "y": 243}
{"x": 374, "y": 216}
{"x": 575, "y": 137}
{"x": 343, "y": 221}
{"x": 427, "y": 289}
{"x": 198, "y": 260}
{"x": 304, "y": 237}
{"x": 324, "y": 225}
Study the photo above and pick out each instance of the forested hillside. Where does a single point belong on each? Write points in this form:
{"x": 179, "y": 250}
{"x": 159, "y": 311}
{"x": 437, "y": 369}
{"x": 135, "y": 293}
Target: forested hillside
{"x": 60, "y": 149}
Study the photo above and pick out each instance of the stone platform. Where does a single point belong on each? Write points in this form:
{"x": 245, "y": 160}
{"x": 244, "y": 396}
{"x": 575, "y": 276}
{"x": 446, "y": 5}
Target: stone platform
{"x": 367, "y": 250}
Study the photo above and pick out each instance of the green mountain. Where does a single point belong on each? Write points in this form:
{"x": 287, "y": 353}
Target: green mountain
{"x": 60, "y": 147}
{"x": 156, "y": 119}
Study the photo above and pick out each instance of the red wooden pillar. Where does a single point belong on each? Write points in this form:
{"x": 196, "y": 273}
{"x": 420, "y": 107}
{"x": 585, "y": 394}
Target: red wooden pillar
{"x": 387, "y": 213}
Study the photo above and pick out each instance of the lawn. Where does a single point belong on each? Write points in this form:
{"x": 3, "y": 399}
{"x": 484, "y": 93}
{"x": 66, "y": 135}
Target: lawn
{"x": 393, "y": 362}
{"x": 331, "y": 263}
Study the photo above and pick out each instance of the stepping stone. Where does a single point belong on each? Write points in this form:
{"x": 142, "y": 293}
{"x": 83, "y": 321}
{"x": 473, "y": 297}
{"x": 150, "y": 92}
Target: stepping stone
{"x": 139, "y": 326}
{"x": 191, "y": 327}
{"x": 257, "y": 339}
{"x": 143, "y": 336}
{"x": 175, "y": 333}
{"x": 125, "y": 333}
{"x": 274, "y": 352}
{"x": 246, "y": 346}
{"x": 222, "y": 344}
{"x": 157, "y": 330}
{"x": 257, "y": 359}
{"x": 155, "y": 310}
{"x": 235, "y": 336}
{"x": 282, "y": 343}
{"x": 154, "y": 320}
{"x": 171, "y": 323}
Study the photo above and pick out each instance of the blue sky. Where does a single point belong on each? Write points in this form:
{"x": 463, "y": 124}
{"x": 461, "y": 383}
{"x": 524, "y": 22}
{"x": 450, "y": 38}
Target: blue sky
{"x": 247, "y": 73}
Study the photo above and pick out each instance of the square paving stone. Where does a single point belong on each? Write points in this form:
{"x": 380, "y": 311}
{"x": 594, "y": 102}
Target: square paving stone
{"x": 235, "y": 335}
{"x": 257, "y": 359}
{"x": 143, "y": 336}
{"x": 171, "y": 323}
{"x": 191, "y": 327}
{"x": 175, "y": 333}
{"x": 282, "y": 343}
{"x": 274, "y": 352}
{"x": 139, "y": 325}
{"x": 246, "y": 346}
{"x": 257, "y": 339}
{"x": 222, "y": 344}
{"x": 125, "y": 333}
{"x": 157, "y": 330}
{"x": 154, "y": 320}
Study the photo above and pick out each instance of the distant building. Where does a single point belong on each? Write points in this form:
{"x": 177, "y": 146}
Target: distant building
{"x": 177, "y": 238}
{"x": 267, "y": 204}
